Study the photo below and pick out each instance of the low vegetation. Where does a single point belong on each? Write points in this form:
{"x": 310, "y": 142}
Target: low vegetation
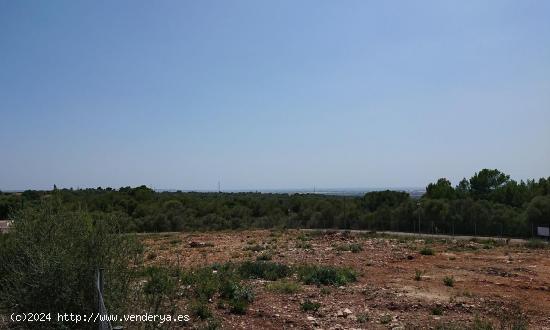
{"x": 352, "y": 247}
{"x": 310, "y": 306}
{"x": 325, "y": 275}
{"x": 284, "y": 286}
{"x": 449, "y": 281}
{"x": 427, "y": 251}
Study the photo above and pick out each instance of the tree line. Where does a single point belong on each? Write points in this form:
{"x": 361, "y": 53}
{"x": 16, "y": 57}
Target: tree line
{"x": 488, "y": 203}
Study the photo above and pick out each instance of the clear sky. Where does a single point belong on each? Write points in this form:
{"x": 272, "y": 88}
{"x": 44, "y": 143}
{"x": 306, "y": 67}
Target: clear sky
{"x": 271, "y": 94}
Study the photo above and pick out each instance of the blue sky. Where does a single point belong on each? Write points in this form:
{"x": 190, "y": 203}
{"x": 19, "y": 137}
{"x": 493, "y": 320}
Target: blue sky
{"x": 271, "y": 94}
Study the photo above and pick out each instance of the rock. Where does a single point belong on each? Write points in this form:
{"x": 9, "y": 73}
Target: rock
{"x": 310, "y": 318}
{"x": 347, "y": 311}
{"x": 339, "y": 314}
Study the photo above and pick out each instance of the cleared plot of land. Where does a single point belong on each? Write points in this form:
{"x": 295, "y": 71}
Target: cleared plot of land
{"x": 402, "y": 282}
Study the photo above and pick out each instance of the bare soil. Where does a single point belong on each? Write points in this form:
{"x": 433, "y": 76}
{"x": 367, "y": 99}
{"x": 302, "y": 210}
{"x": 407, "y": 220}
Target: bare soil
{"x": 495, "y": 282}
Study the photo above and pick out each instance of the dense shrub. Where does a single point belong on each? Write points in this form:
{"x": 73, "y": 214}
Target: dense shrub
{"x": 326, "y": 275}
{"x": 49, "y": 260}
{"x": 264, "y": 270}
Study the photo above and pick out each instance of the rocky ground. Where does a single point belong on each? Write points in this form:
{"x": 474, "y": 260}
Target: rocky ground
{"x": 462, "y": 284}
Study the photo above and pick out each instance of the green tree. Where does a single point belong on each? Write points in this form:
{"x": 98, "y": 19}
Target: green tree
{"x": 486, "y": 181}
{"x": 441, "y": 189}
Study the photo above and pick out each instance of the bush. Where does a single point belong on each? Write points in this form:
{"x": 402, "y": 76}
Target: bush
{"x": 284, "y": 287}
{"x": 449, "y": 281}
{"x": 363, "y": 318}
{"x": 308, "y": 306}
{"x": 263, "y": 270}
{"x": 200, "y": 309}
{"x": 159, "y": 287}
{"x": 326, "y": 275}
{"x": 266, "y": 256}
{"x": 303, "y": 245}
{"x": 385, "y": 319}
{"x": 536, "y": 244}
{"x": 418, "y": 274}
{"x": 49, "y": 262}
{"x": 254, "y": 248}
{"x": 203, "y": 282}
{"x": 353, "y": 247}
{"x": 426, "y": 251}
{"x": 437, "y": 311}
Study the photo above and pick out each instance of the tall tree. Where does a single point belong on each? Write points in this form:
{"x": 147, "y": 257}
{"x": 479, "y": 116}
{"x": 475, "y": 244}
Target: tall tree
{"x": 486, "y": 181}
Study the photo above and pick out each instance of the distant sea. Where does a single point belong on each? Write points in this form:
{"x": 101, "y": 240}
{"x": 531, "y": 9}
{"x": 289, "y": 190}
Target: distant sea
{"x": 413, "y": 191}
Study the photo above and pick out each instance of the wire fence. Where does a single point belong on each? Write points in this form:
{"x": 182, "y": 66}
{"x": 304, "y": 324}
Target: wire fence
{"x": 104, "y": 323}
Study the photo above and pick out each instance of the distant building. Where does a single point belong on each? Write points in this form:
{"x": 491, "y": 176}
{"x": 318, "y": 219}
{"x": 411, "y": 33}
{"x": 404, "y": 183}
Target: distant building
{"x": 4, "y": 226}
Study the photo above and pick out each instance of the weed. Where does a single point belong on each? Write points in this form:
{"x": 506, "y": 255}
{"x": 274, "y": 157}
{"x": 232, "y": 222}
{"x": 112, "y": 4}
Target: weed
{"x": 325, "y": 291}
{"x": 363, "y": 318}
{"x": 449, "y": 281}
{"x": 385, "y": 319}
{"x": 303, "y": 245}
{"x": 303, "y": 237}
{"x": 536, "y": 244}
{"x": 263, "y": 270}
{"x": 437, "y": 311}
{"x": 308, "y": 306}
{"x": 353, "y": 247}
{"x": 418, "y": 274}
{"x": 480, "y": 324}
{"x": 326, "y": 275}
{"x": 254, "y": 248}
{"x": 266, "y": 256}
{"x": 200, "y": 309}
{"x": 426, "y": 251}
{"x": 287, "y": 287}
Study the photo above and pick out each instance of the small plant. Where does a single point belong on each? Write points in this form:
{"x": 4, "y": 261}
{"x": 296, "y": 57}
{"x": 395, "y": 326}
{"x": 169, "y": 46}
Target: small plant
{"x": 310, "y": 306}
{"x": 449, "y": 281}
{"x": 536, "y": 244}
{"x": 325, "y": 291}
{"x": 263, "y": 270}
{"x": 303, "y": 245}
{"x": 304, "y": 237}
{"x": 353, "y": 247}
{"x": 286, "y": 287}
{"x": 326, "y": 275}
{"x": 480, "y": 324}
{"x": 266, "y": 256}
{"x": 363, "y": 318}
{"x": 200, "y": 309}
{"x": 437, "y": 311}
{"x": 418, "y": 274}
{"x": 385, "y": 319}
{"x": 238, "y": 306}
{"x": 427, "y": 251}
{"x": 212, "y": 324}
{"x": 254, "y": 248}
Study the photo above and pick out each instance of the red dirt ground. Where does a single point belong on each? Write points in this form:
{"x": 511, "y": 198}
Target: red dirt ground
{"x": 494, "y": 282}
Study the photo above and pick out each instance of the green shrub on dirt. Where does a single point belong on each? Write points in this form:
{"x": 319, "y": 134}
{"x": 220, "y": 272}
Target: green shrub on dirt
{"x": 263, "y": 270}
{"x": 325, "y": 275}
